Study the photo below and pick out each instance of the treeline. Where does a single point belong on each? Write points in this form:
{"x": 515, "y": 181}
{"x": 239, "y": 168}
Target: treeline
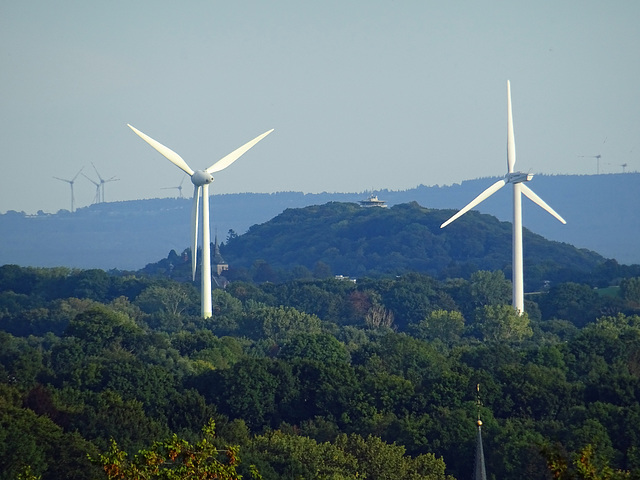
{"x": 318, "y": 378}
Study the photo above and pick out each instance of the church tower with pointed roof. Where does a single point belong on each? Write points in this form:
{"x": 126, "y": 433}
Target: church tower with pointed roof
{"x": 218, "y": 262}
{"x": 480, "y": 472}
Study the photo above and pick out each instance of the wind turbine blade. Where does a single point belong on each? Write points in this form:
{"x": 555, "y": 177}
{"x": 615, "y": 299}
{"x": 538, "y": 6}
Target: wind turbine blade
{"x": 536, "y": 199}
{"x": 91, "y": 180}
{"x": 487, "y": 193}
{"x": 172, "y": 156}
{"x": 511, "y": 141}
{"x": 195, "y": 210}
{"x": 233, "y": 156}
{"x": 74, "y": 178}
{"x": 99, "y": 177}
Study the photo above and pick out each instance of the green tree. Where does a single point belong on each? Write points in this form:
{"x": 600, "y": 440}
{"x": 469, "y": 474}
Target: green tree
{"x": 570, "y": 301}
{"x": 278, "y": 323}
{"x": 173, "y": 299}
{"x": 31, "y": 442}
{"x": 501, "y": 323}
{"x": 444, "y": 325}
{"x": 489, "y": 288}
{"x": 17, "y": 279}
{"x": 402, "y": 355}
{"x": 630, "y": 291}
{"x": 256, "y": 390}
{"x": 92, "y": 284}
{"x": 411, "y": 298}
{"x": 582, "y": 465}
{"x": 100, "y": 327}
{"x": 319, "y": 347}
{"x": 379, "y": 460}
{"x": 349, "y": 457}
{"x": 227, "y": 313}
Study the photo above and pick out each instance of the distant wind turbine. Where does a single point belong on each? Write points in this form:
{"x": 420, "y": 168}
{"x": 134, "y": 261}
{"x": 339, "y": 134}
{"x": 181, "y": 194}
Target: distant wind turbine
{"x": 96, "y": 198}
{"x": 103, "y": 181}
{"x": 71, "y": 182}
{"x": 597, "y": 157}
{"x": 99, "y": 198}
{"x": 179, "y": 187}
{"x": 201, "y": 180}
{"x": 516, "y": 179}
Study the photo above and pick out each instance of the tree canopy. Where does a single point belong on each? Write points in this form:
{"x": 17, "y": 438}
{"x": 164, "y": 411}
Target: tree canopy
{"x": 314, "y": 378}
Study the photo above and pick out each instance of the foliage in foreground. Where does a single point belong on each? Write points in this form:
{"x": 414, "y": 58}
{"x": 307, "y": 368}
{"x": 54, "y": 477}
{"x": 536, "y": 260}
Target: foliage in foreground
{"x": 173, "y": 459}
{"x": 582, "y": 465}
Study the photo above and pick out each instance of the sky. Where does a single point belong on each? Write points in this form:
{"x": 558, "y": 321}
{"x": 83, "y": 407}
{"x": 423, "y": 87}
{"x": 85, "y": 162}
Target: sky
{"x": 363, "y": 95}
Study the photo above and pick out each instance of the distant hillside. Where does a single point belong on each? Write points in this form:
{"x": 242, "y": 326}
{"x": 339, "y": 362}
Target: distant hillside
{"x": 355, "y": 241}
{"x": 601, "y": 210}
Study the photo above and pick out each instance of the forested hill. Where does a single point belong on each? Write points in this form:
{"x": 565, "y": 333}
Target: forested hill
{"x": 601, "y": 211}
{"x": 346, "y": 239}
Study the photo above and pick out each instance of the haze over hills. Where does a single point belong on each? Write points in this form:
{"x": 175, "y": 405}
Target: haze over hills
{"x": 601, "y": 211}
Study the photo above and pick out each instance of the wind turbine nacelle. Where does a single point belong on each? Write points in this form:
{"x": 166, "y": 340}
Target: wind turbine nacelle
{"x": 201, "y": 177}
{"x": 518, "y": 177}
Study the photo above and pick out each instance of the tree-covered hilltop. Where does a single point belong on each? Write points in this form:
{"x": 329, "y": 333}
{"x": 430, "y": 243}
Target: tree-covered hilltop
{"x": 356, "y": 242}
{"x": 316, "y": 378}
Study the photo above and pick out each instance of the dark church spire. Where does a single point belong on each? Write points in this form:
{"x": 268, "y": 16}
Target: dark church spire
{"x": 480, "y": 472}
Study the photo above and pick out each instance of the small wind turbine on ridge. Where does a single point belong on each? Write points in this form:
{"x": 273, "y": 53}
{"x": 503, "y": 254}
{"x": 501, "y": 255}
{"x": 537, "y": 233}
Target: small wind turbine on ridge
{"x": 517, "y": 179}
{"x": 99, "y": 198}
{"x": 71, "y": 182}
{"x": 103, "y": 181}
{"x": 201, "y": 180}
{"x": 597, "y": 157}
{"x": 96, "y": 198}
{"x": 179, "y": 187}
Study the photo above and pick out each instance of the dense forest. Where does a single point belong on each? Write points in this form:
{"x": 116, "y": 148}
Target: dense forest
{"x": 319, "y": 377}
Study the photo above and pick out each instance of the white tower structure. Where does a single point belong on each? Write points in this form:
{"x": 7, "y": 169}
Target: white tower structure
{"x": 517, "y": 179}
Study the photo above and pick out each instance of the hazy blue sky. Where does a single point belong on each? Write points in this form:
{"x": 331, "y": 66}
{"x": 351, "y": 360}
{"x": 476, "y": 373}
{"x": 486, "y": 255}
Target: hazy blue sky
{"x": 362, "y": 94}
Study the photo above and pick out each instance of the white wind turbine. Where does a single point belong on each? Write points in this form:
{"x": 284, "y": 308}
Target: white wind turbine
{"x": 71, "y": 182}
{"x": 201, "y": 180}
{"x": 516, "y": 179}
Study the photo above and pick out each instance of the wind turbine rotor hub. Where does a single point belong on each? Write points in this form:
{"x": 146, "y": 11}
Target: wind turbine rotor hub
{"x": 201, "y": 177}
{"x": 518, "y": 177}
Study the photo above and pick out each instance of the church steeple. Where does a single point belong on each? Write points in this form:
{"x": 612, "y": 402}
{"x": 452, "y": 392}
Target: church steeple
{"x": 480, "y": 472}
{"x": 218, "y": 262}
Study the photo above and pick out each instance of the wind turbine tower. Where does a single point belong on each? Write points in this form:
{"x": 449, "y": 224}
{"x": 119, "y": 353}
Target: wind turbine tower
{"x": 517, "y": 179}
{"x": 201, "y": 180}
{"x": 71, "y": 182}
